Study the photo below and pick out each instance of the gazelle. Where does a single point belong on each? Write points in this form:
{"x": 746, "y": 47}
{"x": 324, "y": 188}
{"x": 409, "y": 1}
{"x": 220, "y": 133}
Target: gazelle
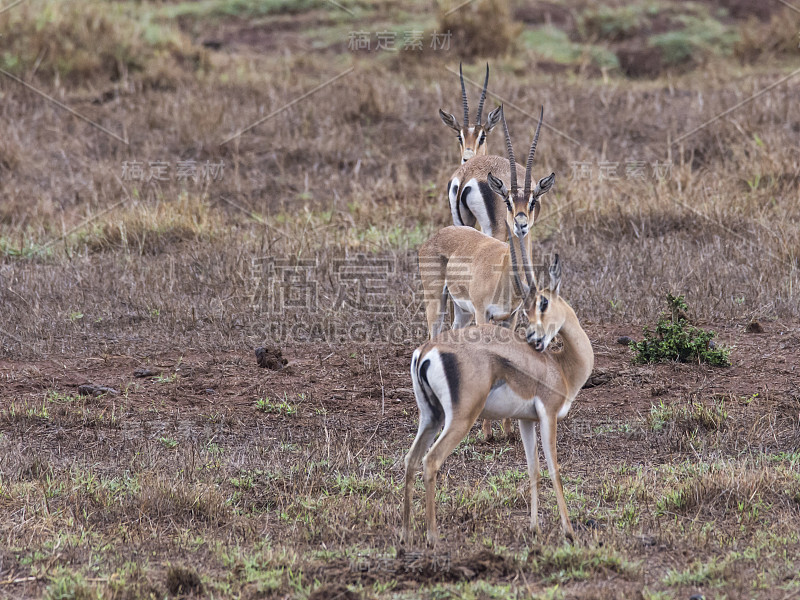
{"x": 471, "y": 140}
{"x": 493, "y": 372}
{"x": 471, "y": 196}
{"x": 477, "y": 271}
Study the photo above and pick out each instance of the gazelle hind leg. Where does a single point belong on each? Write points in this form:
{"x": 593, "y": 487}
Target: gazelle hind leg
{"x": 425, "y": 434}
{"x": 433, "y": 310}
{"x": 461, "y": 317}
{"x": 548, "y": 423}
{"x": 452, "y": 435}
{"x": 439, "y": 325}
{"x": 527, "y": 431}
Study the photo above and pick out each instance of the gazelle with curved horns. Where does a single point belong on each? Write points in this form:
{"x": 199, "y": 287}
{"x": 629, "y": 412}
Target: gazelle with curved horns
{"x": 472, "y": 140}
{"x": 472, "y": 197}
{"x": 478, "y": 271}
{"x": 493, "y": 372}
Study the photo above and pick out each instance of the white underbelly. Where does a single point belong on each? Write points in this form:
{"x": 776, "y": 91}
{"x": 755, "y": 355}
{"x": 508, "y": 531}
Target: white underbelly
{"x": 504, "y": 403}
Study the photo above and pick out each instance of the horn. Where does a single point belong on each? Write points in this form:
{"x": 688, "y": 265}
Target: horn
{"x": 483, "y": 95}
{"x": 464, "y": 97}
{"x": 521, "y": 288}
{"x": 526, "y": 263}
{"x": 511, "y": 160}
{"x": 529, "y": 166}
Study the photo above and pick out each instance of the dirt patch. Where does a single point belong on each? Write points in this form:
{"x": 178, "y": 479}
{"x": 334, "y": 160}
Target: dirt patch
{"x": 545, "y": 13}
{"x": 334, "y": 591}
{"x": 742, "y": 10}
{"x": 641, "y": 61}
{"x": 183, "y": 580}
{"x": 270, "y": 357}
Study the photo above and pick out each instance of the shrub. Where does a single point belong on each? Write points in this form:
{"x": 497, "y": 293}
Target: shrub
{"x": 674, "y": 339}
{"x": 484, "y": 29}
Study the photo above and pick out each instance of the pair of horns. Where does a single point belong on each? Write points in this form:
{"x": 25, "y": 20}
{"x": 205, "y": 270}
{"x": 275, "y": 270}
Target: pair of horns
{"x": 464, "y": 96}
{"x": 529, "y": 167}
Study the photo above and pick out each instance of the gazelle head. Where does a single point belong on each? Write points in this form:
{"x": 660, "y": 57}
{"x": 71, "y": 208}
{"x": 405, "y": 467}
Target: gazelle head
{"x": 472, "y": 139}
{"x": 545, "y": 310}
{"x": 523, "y": 206}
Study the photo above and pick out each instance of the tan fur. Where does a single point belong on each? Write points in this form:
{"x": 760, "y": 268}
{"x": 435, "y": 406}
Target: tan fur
{"x": 475, "y": 268}
{"x": 542, "y": 383}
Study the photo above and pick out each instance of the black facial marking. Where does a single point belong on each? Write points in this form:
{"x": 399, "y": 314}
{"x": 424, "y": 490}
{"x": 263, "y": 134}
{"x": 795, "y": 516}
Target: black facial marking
{"x": 543, "y": 304}
{"x": 450, "y": 365}
{"x": 427, "y": 392}
{"x": 488, "y": 199}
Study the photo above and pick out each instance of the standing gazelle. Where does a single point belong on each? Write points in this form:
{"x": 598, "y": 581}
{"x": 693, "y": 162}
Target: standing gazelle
{"x": 472, "y": 198}
{"x": 493, "y": 372}
{"x": 473, "y": 269}
{"x": 471, "y": 140}
{"x": 478, "y": 271}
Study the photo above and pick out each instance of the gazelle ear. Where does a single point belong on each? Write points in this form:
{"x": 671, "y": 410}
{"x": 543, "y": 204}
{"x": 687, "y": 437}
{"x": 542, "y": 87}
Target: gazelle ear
{"x": 449, "y": 120}
{"x": 493, "y": 119}
{"x": 545, "y": 185}
{"x": 497, "y": 186}
{"x": 555, "y": 275}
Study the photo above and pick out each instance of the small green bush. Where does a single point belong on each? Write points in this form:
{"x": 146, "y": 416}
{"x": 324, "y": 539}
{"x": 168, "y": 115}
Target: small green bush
{"x": 674, "y": 339}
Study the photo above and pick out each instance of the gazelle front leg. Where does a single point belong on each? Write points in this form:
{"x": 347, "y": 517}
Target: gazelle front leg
{"x": 548, "y": 423}
{"x": 527, "y": 430}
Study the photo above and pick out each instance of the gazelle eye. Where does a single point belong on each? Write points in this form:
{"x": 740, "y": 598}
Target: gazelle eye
{"x": 543, "y": 304}
{"x": 481, "y": 139}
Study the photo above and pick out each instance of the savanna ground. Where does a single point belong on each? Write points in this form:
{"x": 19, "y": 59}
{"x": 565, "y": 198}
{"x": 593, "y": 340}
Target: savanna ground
{"x": 200, "y": 474}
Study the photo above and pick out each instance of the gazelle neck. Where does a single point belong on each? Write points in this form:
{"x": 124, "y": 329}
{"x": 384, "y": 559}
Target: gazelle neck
{"x": 520, "y": 250}
{"x": 576, "y": 358}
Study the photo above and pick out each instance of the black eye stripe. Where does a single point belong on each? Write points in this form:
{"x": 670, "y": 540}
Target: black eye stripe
{"x": 543, "y": 304}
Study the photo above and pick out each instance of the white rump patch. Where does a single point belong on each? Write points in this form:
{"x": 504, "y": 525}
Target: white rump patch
{"x": 477, "y": 206}
{"x": 438, "y": 382}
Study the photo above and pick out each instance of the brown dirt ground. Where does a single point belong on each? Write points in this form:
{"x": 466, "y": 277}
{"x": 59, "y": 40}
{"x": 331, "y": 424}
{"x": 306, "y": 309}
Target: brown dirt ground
{"x": 338, "y": 380}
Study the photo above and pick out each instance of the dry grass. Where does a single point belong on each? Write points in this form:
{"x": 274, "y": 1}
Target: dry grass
{"x": 181, "y": 485}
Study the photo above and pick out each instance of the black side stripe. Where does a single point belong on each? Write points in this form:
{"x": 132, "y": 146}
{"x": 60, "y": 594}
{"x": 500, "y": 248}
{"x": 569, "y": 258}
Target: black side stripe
{"x": 450, "y": 366}
{"x": 463, "y": 201}
{"x": 488, "y": 201}
{"x": 427, "y": 391}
